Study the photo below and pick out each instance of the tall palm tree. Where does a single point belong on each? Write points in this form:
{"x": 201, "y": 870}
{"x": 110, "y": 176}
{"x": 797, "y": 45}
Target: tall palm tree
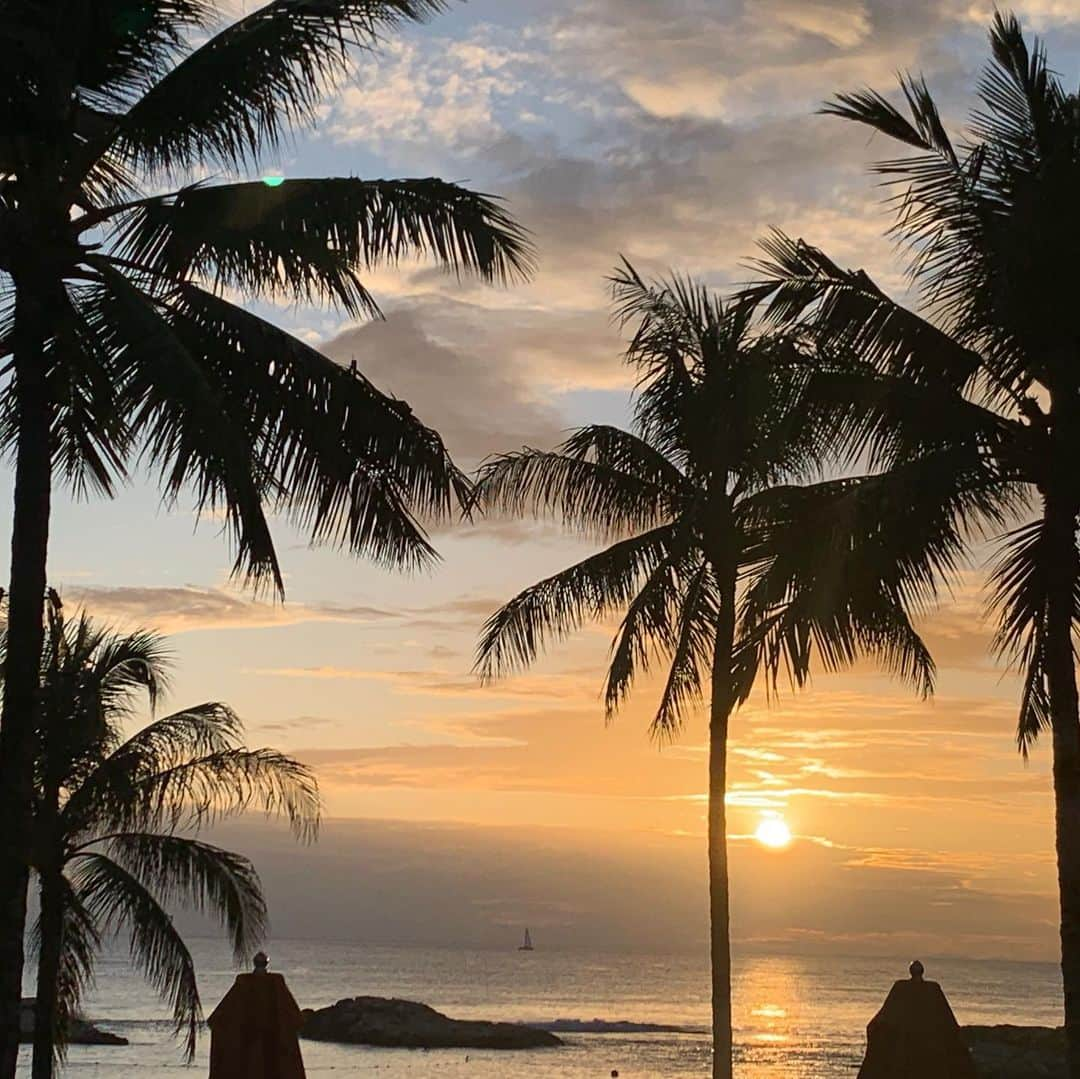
{"x": 116, "y": 335}
{"x": 990, "y": 360}
{"x": 727, "y": 553}
{"x": 114, "y": 839}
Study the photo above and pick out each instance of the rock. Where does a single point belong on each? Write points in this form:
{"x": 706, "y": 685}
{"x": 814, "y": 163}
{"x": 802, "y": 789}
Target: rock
{"x": 1008, "y": 1052}
{"x": 81, "y": 1033}
{"x": 407, "y": 1025}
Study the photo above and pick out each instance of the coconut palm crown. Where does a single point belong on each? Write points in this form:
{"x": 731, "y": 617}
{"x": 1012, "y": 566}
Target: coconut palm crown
{"x": 987, "y": 363}
{"x": 728, "y": 554}
{"x": 116, "y": 820}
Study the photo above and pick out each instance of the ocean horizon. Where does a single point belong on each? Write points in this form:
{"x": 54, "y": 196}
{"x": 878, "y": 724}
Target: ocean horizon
{"x": 795, "y": 1016}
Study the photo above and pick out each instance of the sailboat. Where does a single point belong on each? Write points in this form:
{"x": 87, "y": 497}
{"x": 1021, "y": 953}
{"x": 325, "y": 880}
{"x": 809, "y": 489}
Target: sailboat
{"x": 526, "y": 944}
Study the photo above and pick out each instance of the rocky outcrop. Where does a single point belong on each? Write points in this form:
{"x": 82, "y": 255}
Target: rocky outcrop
{"x": 81, "y": 1033}
{"x": 404, "y": 1024}
{"x": 1008, "y": 1052}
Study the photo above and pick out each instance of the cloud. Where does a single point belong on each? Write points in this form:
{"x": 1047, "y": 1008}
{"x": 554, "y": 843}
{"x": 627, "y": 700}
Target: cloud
{"x": 840, "y": 22}
{"x": 443, "y": 683}
{"x": 492, "y": 881}
{"x": 373, "y": 881}
{"x": 1038, "y": 13}
{"x": 189, "y": 607}
{"x": 675, "y": 133}
{"x": 475, "y": 392}
{"x": 448, "y": 95}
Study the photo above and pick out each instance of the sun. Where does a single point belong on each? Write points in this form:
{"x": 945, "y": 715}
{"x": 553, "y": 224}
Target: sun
{"x": 773, "y": 832}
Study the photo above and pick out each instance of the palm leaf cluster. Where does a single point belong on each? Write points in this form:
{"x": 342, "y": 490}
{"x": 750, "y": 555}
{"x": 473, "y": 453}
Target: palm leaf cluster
{"x": 717, "y": 509}
{"x": 987, "y": 366}
{"x": 145, "y": 354}
{"x": 117, "y": 817}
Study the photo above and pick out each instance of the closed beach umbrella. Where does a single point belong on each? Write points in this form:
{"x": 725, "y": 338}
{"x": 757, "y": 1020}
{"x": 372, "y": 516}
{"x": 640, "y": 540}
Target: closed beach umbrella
{"x": 915, "y": 1035}
{"x": 254, "y": 1030}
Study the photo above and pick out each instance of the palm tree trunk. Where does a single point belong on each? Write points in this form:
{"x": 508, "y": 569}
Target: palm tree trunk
{"x": 26, "y": 602}
{"x": 1060, "y": 519}
{"x": 46, "y": 1029}
{"x": 721, "y": 702}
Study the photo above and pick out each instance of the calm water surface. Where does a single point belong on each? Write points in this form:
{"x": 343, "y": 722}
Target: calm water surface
{"x": 795, "y": 1017}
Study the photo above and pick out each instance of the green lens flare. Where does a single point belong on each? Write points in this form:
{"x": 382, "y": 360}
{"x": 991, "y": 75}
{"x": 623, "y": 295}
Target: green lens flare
{"x": 273, "y": 181}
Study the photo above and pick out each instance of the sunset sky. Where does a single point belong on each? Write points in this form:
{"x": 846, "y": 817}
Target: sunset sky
{"x": 674, "y": 132}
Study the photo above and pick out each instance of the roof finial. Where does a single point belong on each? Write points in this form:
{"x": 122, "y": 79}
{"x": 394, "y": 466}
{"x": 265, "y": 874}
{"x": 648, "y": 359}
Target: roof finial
{"x": 916, "y": 970}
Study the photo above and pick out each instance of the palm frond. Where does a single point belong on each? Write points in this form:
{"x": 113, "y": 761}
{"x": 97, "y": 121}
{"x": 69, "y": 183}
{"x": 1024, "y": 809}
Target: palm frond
{"x": 117, "y": 900}
{"x": 1022, "y": 578}
{"x": 598, "y": 483}
{"x": 924, "y": 131}
{"x": 849, "y": 312}
{"x": 772, "y": 414}
{"x": 692, "y": 653}
{"x": 649, "y": 627}
{"x": 682, "y": 330}
{"x": 193, "y": 794}
{"x": 183, "y": 872}
{"x": 90, "y": 680}
{"x": 79, "y": 944}
{"x": 626, "y": 453}
{"x": 605, "y": 582}
{"x": 125, "y": 664}
{"x": 837, "y": 569}
{"x": 189, "y": 770}
{"x": 350, "y": 466}
{"x": 671, "y": 310}
{"x": 110, "y": 789}
{"x": 308, "y": 238}
{"x": 1022, "y": 99}
{"x": 186, "y": 422}
{"x": 120, "y": 50}
{"x": 90, "y": 437}
{"x": 269, "y": 72}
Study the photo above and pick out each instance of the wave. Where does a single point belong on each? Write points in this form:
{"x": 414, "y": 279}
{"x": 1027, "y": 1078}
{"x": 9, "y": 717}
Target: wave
{"x": 611, "y": 1026}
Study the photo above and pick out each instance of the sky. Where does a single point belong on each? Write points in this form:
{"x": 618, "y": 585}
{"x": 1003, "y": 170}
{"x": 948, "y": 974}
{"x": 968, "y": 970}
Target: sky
{"x": 674, "y": 132}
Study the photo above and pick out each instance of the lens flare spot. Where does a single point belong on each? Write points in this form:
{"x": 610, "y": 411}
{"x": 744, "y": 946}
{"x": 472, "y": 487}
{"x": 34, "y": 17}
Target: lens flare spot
{"x": 273, "y": 181}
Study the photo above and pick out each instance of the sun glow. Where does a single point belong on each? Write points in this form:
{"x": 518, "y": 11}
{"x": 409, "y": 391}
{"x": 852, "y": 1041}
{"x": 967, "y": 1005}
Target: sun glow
{"x": 773, "y": 832}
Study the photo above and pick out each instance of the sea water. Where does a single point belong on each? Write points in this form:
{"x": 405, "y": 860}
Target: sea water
{"x": 794, "y": 1016}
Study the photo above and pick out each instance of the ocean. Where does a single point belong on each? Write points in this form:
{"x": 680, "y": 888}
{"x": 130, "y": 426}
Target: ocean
{"x": 794, "y": 1016}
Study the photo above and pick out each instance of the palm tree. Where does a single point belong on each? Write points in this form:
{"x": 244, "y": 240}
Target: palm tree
{"x": 989, "y": 361}
{"x": 114, "y": 838}
{"x": 116, "y": 335}
{"x": 727, "y": 554}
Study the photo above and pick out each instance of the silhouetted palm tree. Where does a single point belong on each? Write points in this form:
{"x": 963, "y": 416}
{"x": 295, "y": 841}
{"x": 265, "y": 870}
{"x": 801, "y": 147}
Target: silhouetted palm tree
{"x": 992, "y": 363}
{"x": 114, "y": 838}
{"x": 726, "y": 558}
{"x": 116, "y": 333}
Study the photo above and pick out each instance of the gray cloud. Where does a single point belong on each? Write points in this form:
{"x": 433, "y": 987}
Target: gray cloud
{"x": 476, "y": 391}
{"x": 190, "y": 607}
{"x": 686, "y": 130}
{"x": 597, "y": 891}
